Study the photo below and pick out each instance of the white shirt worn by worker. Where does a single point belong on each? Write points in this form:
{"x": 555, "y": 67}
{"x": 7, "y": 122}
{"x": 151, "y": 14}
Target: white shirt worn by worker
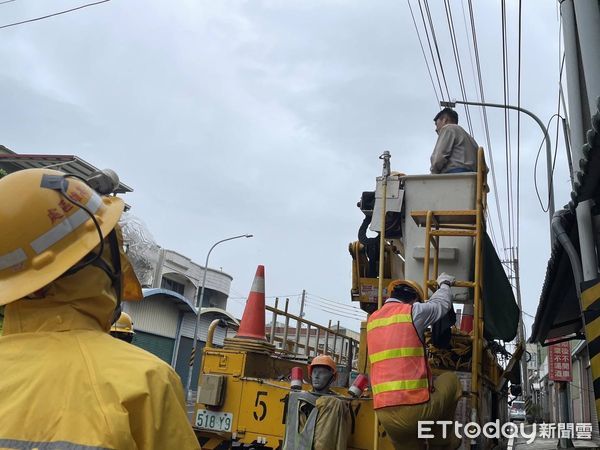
{"x": 428, "y": 313}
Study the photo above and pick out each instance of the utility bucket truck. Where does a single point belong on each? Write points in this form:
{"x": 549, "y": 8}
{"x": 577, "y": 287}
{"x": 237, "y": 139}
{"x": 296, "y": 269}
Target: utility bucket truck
{"x": 248, "y": 395}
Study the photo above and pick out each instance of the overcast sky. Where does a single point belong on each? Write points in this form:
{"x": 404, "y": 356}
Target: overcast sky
{"x": 267, "y": 117}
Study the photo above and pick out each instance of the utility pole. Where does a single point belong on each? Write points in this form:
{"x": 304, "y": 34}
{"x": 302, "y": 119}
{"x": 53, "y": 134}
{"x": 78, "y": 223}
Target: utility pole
{"x": 580, "y": 109}
{"x": 521, "y": 330}
{"x": 299, "y": 324}
{"x": 581, "y": 33}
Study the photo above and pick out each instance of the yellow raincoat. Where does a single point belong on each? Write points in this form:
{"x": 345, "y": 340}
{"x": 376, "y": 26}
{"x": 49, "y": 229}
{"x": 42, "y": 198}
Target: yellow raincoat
{"x": 67, "y": 384}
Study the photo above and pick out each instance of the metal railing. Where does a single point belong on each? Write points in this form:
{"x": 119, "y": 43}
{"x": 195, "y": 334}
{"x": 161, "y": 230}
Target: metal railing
{"x": 308, "y": 339}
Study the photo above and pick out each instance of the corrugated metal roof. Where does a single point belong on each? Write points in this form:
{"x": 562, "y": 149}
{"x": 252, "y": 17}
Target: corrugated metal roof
{"x": 71, "y": 164}
{"x": 558, "y": 312}
{"x": 182, "y": 302}
{"x": 155, "y": 316}
{"x": 185, "y": 305}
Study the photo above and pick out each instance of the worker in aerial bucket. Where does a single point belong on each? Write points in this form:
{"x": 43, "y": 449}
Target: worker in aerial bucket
{"x": 403, "y": 391}
{"x": 123, "y": 328}
{"x": 63, "y": 274}
{"x": 455, "y": 150}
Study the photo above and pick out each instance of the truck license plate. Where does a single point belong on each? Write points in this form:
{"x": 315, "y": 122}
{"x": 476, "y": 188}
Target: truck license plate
{"x": 216, "y": 421}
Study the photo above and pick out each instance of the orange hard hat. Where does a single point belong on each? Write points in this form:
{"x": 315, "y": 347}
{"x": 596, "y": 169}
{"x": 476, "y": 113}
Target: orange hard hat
{"x": 323, "y": 360}
{"x": 409, "y": 283}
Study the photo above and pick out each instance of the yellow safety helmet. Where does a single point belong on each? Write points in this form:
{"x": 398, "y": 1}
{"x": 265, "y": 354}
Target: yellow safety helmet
{"x": 124, "y": 324}
{"x": 45, "y": 233}
{"x": 409, "y": 283}
{"x": 323, "y": 360}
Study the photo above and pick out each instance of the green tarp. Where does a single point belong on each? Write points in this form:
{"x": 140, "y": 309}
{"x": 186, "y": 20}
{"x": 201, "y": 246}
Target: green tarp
{"x": 500, "y": 310}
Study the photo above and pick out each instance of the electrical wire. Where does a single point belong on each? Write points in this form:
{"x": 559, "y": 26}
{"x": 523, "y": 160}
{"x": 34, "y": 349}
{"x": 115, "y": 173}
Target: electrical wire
{"x": 240, "y": 296}
{"x": 332, "y": 311}
{"x": 457, "y": 61}
{"x": 53, "y": 14}
{"x": 485, "y": 120}
{"x": 331, "y": 306}
{"x": 507, "y": 149}
{"x": 7, "y": 1}
{"x": 339, "y": 307}
{"x": 527, "y": 314}
{"x": 545, "y": 209}
{"x": 519, "y": 130}
{"x": 431, "y": 49}
{"x": 491, "y": 227}
{"x": 335, "y": 308}
{"x": 422, "y": 51}
{"x": 335, "y": 302}
{"x": 437, "y": 48}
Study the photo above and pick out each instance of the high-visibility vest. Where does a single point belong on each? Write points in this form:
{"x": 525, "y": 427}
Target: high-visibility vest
{"x": 399, "y": 369}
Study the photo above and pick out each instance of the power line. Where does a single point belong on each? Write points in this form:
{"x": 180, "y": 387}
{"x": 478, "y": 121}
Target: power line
{"x": 527, "y": 314}
{"x": 430, "y": 49}
{"x": 437, "y": 48}
{"x": 7, "y": 1}
{"x": 242, "y": 297}
{"x": 519, "y": 129}
{"x": 537, "y": 191}
{"x": 338, "y": 304}
{"x": 485, "y": 120}
{"x": 422, "y": 51}
{"x": 508, "y": 149}
{"x": 332, "y": 311}
{"x": 471, "y": 51}
{"x": 456, "y": 52}
{"x": 492, "y": 231}
{"x": 53, "y": 14}
{"x": 335, "y": 308}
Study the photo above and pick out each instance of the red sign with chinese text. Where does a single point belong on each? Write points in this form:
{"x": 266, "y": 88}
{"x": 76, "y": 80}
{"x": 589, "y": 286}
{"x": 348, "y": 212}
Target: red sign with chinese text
{"x": 559, "y": 362}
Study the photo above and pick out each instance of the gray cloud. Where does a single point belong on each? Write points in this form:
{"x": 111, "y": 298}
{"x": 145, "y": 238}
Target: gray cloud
{"x": 263, "y": 117}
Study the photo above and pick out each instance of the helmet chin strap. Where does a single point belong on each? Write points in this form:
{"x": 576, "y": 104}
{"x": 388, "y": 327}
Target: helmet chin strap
{"x": 114, "y": 273}
{"x": 61, "y": 184}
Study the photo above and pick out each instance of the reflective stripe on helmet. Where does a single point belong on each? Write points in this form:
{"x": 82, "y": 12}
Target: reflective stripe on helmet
{"x": 400, "y": 385}
{"x": 12, "y": 259}
{"x": 67, "y": 226}
{"x": 396, "y": 353}
{"x": 385, "y": 321}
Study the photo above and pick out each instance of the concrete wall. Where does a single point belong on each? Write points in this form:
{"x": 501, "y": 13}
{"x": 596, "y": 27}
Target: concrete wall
{"x": 183, "y": 270}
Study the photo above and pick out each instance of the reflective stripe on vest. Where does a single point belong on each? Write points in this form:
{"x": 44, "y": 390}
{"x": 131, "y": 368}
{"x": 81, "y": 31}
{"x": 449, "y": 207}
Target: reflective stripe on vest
{"x": 398, "y": 318}
{"x": 397, "y": 385}
{"x": 399, "y": 370}
{"x": 396, "y": 353}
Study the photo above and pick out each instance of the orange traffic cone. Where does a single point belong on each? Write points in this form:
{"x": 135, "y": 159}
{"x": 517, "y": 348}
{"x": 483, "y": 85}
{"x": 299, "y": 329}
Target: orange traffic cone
{"x": 252, "y": 325}
{"x": 466, "y": 323}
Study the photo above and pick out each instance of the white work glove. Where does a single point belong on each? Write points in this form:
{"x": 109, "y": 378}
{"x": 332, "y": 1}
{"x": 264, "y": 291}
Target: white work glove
{"x": 444, "y": 278}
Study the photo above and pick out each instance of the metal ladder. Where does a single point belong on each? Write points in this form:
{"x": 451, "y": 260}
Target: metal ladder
{"x": 461, "y": 223}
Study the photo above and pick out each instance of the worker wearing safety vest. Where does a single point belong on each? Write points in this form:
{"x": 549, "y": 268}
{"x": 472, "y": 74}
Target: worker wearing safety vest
{"x": 63, "y": 273}
{"x": 403, "y": 392}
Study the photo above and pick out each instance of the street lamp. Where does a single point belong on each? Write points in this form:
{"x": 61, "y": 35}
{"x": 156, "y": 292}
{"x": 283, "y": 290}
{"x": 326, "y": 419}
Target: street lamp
{"x": 546, "y": 138}
{"x": 550, "y": 206}
{"x": 188, "y": 385}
